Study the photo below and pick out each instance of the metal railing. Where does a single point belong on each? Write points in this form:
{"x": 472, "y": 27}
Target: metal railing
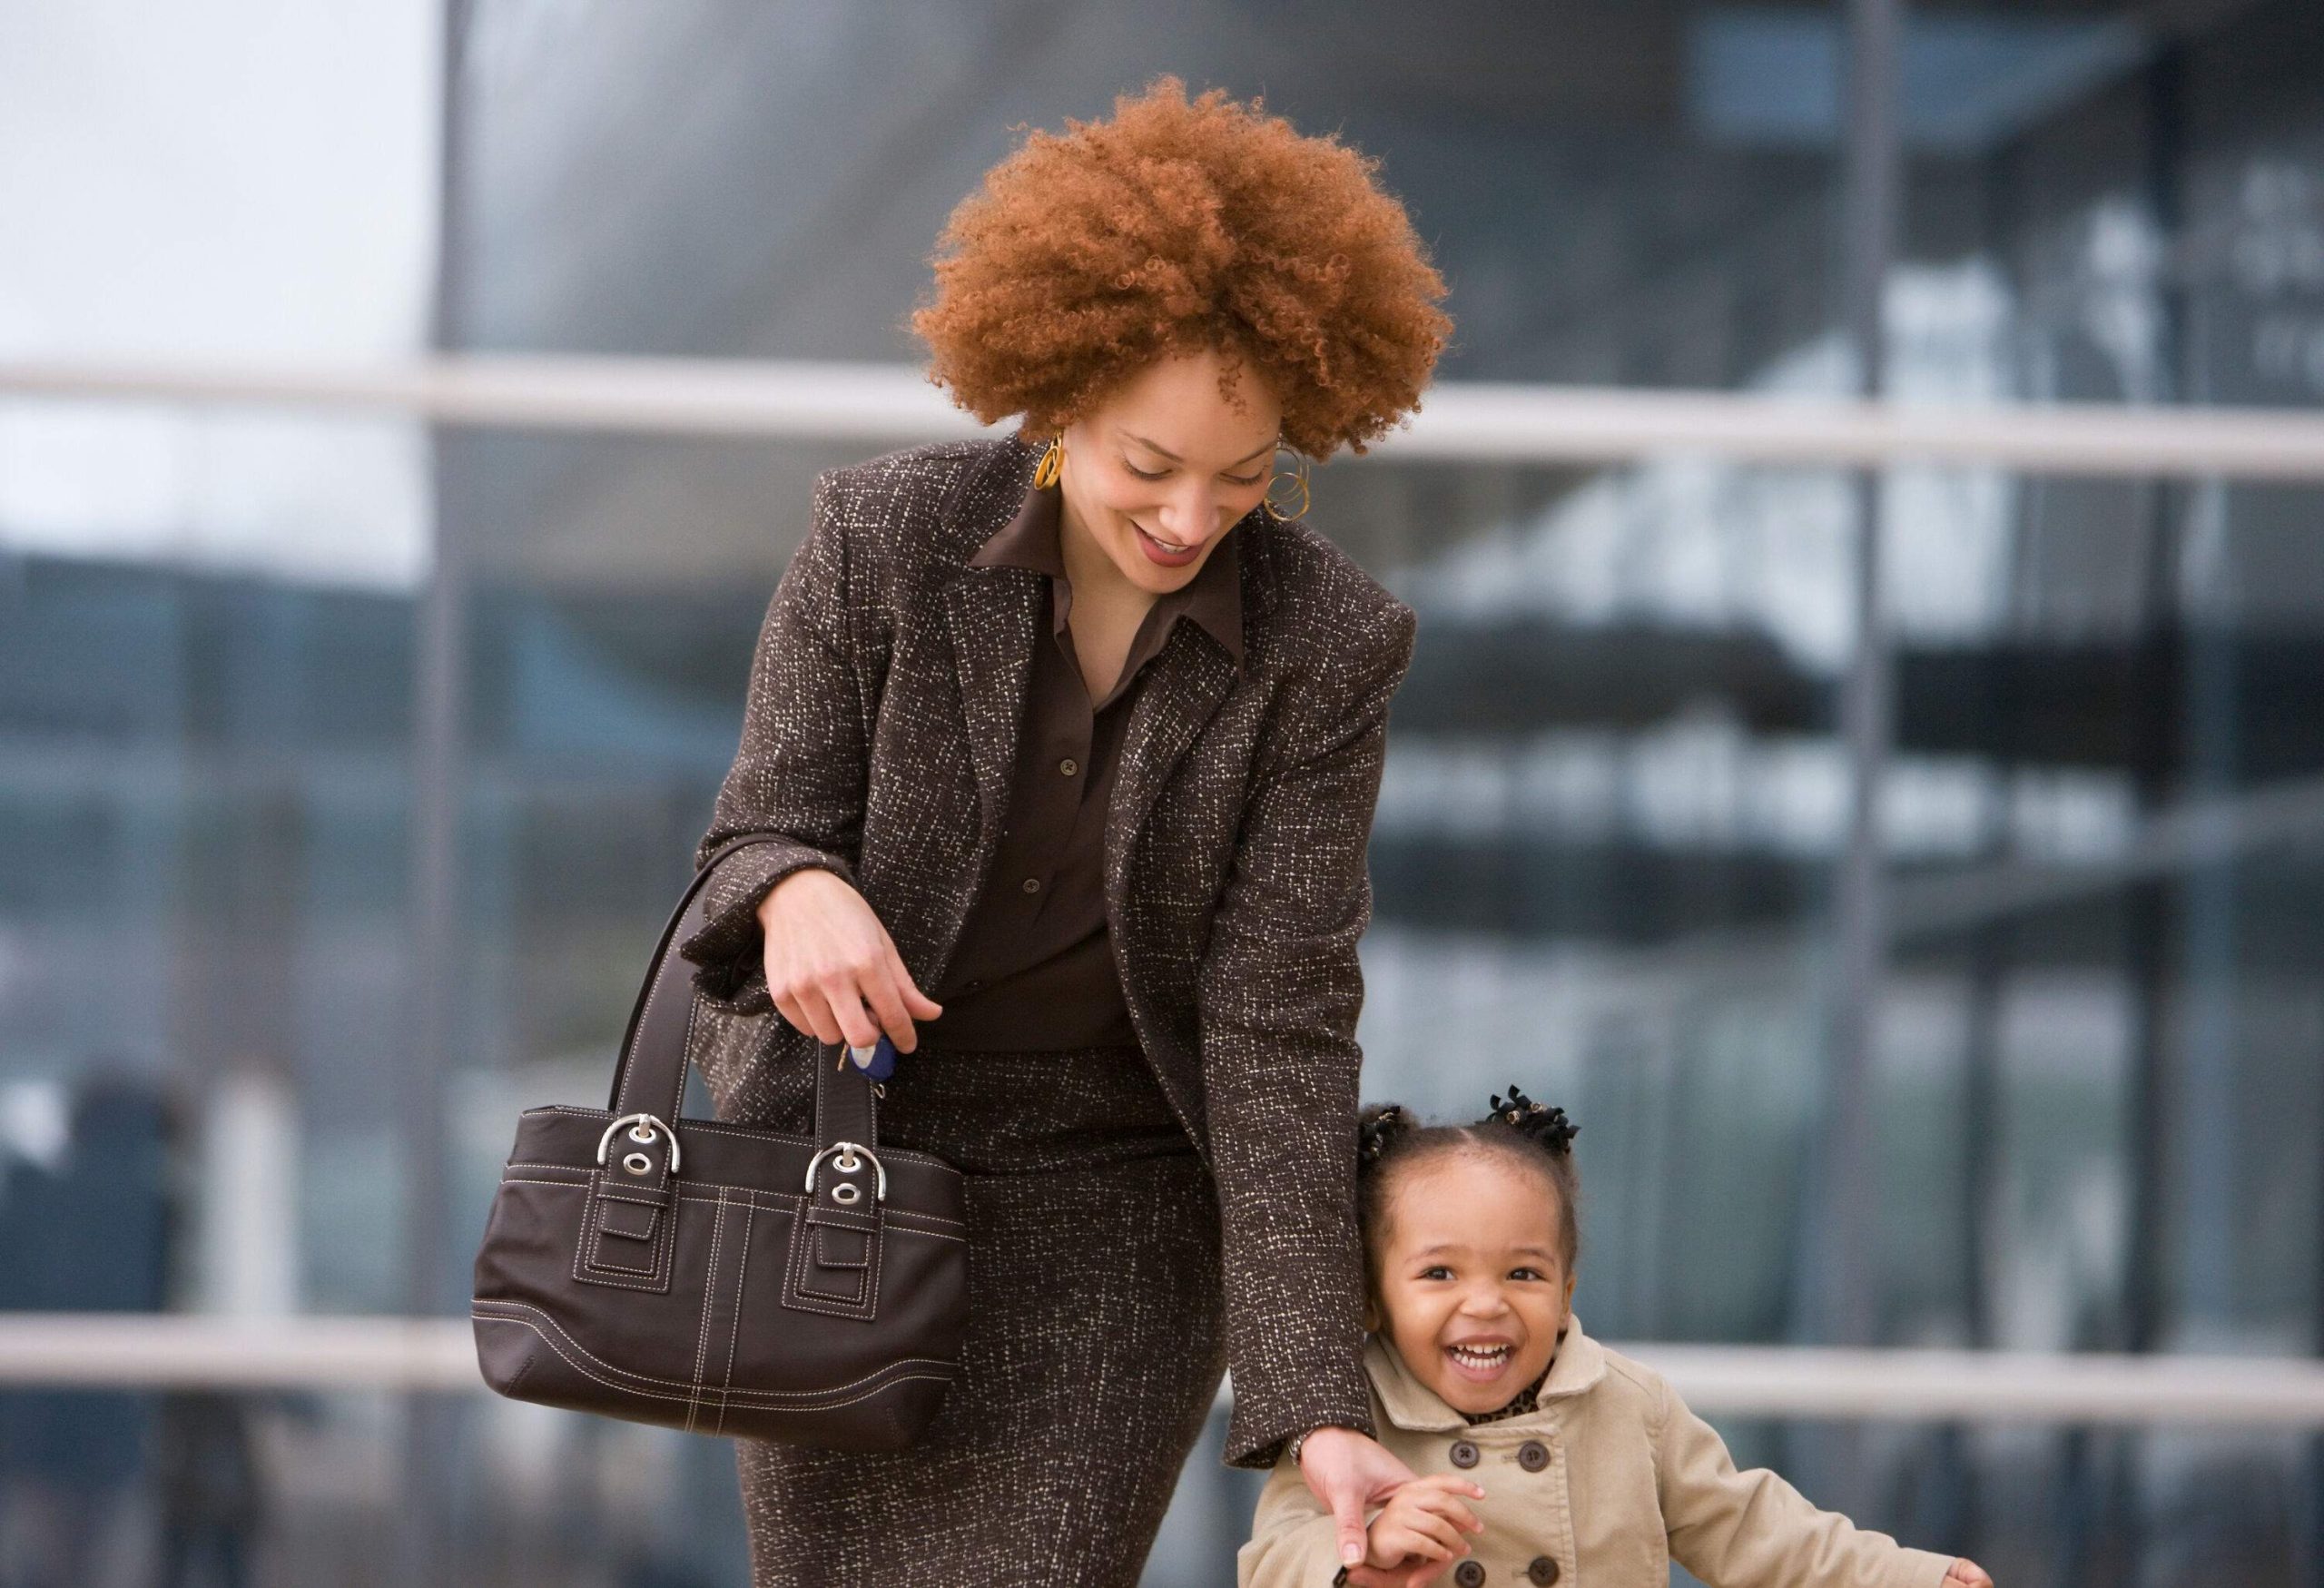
{"x": 1459, "y": 422}
{"x": 120, "y": 1351}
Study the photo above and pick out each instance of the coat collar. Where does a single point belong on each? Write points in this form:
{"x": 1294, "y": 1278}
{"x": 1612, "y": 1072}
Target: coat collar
{"x": 1212, "y": 598}
{"x": 1411, "y": 1405}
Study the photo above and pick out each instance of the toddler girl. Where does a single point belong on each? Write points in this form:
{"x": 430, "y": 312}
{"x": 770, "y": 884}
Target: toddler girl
{"x": 1541, "y": 1457}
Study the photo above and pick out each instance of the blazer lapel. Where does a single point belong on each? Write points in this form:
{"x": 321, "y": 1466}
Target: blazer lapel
{"x": 992, "y": 614}
{"x": 993, "y": 617}
{"x": 1186, "y": 682}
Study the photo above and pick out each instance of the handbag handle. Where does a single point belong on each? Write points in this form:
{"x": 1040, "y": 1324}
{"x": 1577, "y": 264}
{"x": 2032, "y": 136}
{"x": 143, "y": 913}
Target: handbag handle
{"x": 652, "y": 1070}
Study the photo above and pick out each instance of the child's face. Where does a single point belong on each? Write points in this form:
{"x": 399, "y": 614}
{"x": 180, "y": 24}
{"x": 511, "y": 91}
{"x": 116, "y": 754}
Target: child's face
{"x": 1470, "y": 1277}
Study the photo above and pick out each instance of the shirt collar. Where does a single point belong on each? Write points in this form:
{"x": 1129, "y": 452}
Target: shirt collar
{"x": 1213, "y": 597}
{"x": 1408, "y": 1403}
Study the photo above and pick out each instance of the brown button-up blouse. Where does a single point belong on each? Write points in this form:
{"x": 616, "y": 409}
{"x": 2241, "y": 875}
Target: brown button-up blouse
{"x": 1035, "y": 967}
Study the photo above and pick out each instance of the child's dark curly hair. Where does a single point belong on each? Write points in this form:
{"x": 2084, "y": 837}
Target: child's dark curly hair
{"x": 1176, "y": 227}
{"x": 1391, "y": 1139}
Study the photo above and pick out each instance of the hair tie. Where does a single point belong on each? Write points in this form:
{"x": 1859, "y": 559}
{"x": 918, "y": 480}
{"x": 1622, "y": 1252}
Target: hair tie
{"x": 1377, "y": 1128}
{"x": 1537, "y": 1122}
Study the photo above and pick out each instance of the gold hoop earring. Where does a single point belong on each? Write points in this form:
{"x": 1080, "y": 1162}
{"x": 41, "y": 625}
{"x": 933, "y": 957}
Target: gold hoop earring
{"x": 1297, "y": 476}
{"x": 1052, "y": 465}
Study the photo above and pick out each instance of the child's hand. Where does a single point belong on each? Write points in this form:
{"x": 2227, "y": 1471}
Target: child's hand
{"x": 1423, "y": 1522}
{"x": 1969, "y": 1574}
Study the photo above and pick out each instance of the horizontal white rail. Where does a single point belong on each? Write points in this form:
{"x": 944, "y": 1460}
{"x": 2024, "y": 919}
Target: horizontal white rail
{"x": 1972, "y": 1386}
{"x": 118, "y": 1351}
{"x": 1461, "y": 421}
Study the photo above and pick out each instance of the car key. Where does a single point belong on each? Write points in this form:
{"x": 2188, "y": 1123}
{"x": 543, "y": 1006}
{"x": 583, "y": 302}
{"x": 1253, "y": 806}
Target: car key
{"x": 878, "y": 1061}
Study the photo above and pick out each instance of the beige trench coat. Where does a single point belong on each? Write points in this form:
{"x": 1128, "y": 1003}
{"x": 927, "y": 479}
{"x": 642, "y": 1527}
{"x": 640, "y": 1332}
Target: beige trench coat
{"x": 1603, "y": 1486}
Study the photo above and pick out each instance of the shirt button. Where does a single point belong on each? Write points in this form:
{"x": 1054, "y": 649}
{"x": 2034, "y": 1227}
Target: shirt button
{"x": 1532, "y": 1456}
{"x": 1069, "y": 766}
{"x": 1469, "y": 1573}
{"x": 1464, "y": 1454}
{"x": 1543, "y": 1570}
{"x": 1032, "y": 884}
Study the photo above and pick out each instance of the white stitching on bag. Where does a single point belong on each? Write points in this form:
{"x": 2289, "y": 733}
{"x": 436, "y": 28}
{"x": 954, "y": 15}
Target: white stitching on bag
{"x": 656, "y": 1395}
{"x": 657, "y": 1280}
{"x": 644, "y": 1015}
{"x": 657, "y": 1271}
{"x": 796, "y": 1296}
{"x": 890, "y": 1154}
{"x": 897, "y": 1219}
{"x": 709, "y": 1298}
{"x": 734, "y": 1336}
{"x": 551, "y": 1320}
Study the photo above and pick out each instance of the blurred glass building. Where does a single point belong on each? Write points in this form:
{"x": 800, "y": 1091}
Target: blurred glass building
{"x": 1611, "y": 841}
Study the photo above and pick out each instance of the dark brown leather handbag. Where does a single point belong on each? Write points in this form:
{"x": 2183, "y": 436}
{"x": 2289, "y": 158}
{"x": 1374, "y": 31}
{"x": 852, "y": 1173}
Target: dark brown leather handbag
{"x": 719, "y": 1278}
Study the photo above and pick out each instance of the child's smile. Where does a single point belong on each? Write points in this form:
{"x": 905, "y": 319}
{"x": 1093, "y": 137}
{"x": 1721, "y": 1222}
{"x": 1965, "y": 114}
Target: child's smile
{"x": 1472, "y": 1282}
{"x": 1479, "y": 1362}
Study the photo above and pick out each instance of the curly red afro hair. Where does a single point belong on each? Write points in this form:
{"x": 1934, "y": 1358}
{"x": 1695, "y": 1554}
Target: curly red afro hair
{"x": 1178, "y": 226}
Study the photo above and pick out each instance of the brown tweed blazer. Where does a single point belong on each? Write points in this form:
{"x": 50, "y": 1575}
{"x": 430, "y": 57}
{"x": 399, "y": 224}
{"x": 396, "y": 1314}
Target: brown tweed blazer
{"x": 879, "y": 739}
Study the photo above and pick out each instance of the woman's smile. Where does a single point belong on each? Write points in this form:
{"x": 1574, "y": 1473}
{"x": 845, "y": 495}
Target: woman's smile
{"x": 1169, "y": 554}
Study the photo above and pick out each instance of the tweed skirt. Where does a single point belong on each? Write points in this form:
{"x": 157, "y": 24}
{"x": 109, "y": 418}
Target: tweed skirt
{"x": 1095, "y": 1348}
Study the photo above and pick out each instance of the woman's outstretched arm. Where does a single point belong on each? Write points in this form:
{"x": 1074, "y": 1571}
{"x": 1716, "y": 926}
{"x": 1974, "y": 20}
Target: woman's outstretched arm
{"x": 1280, "y": 991}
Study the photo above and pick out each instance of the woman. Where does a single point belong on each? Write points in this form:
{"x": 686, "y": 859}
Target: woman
{"x": 1072, "y": 746}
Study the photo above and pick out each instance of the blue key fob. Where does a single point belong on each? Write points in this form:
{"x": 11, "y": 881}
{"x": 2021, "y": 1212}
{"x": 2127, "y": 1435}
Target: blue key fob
{"x": 878, "y": 1061}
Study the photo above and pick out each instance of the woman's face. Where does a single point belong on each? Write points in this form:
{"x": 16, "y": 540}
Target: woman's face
{"x": 1470, "y": 1277}
{"x": 1155, "y": 476}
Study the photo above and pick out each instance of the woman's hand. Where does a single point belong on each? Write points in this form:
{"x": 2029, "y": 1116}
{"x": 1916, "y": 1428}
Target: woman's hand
{"x": 1350, "y": 1473}
{"x": 1969, "y": 1574}
{"x": 830, "y": 967}
{"x": 1423, "y": 1521}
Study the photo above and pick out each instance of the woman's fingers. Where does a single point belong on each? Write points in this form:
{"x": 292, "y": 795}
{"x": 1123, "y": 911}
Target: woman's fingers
{"x": 891, "y": 993}
{"x": 909, "y": 1002}
{"x": 918, "y": 1004}
{"x": 887, "y": 1008}
{"x": 818, "y": 1012}
{"x": 832, "y": 968}
{"x": 844, "y": 993}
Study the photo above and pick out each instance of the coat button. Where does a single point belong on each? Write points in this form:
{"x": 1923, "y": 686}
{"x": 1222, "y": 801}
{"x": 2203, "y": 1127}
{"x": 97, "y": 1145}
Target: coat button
{"x": 1069, "y": 766}
{"x": 1543, "y": 1569}
{"x": 1532, "y": 1456}
{"x": 1469, "y": 1573}
{"x": 1032, "y": 884}
{"x": 1464, "y": 1454}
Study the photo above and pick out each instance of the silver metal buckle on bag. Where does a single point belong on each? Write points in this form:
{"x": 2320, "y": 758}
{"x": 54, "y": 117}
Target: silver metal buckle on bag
{"x": 847, "y": 1163}
{"x": 641, "y": 1131}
